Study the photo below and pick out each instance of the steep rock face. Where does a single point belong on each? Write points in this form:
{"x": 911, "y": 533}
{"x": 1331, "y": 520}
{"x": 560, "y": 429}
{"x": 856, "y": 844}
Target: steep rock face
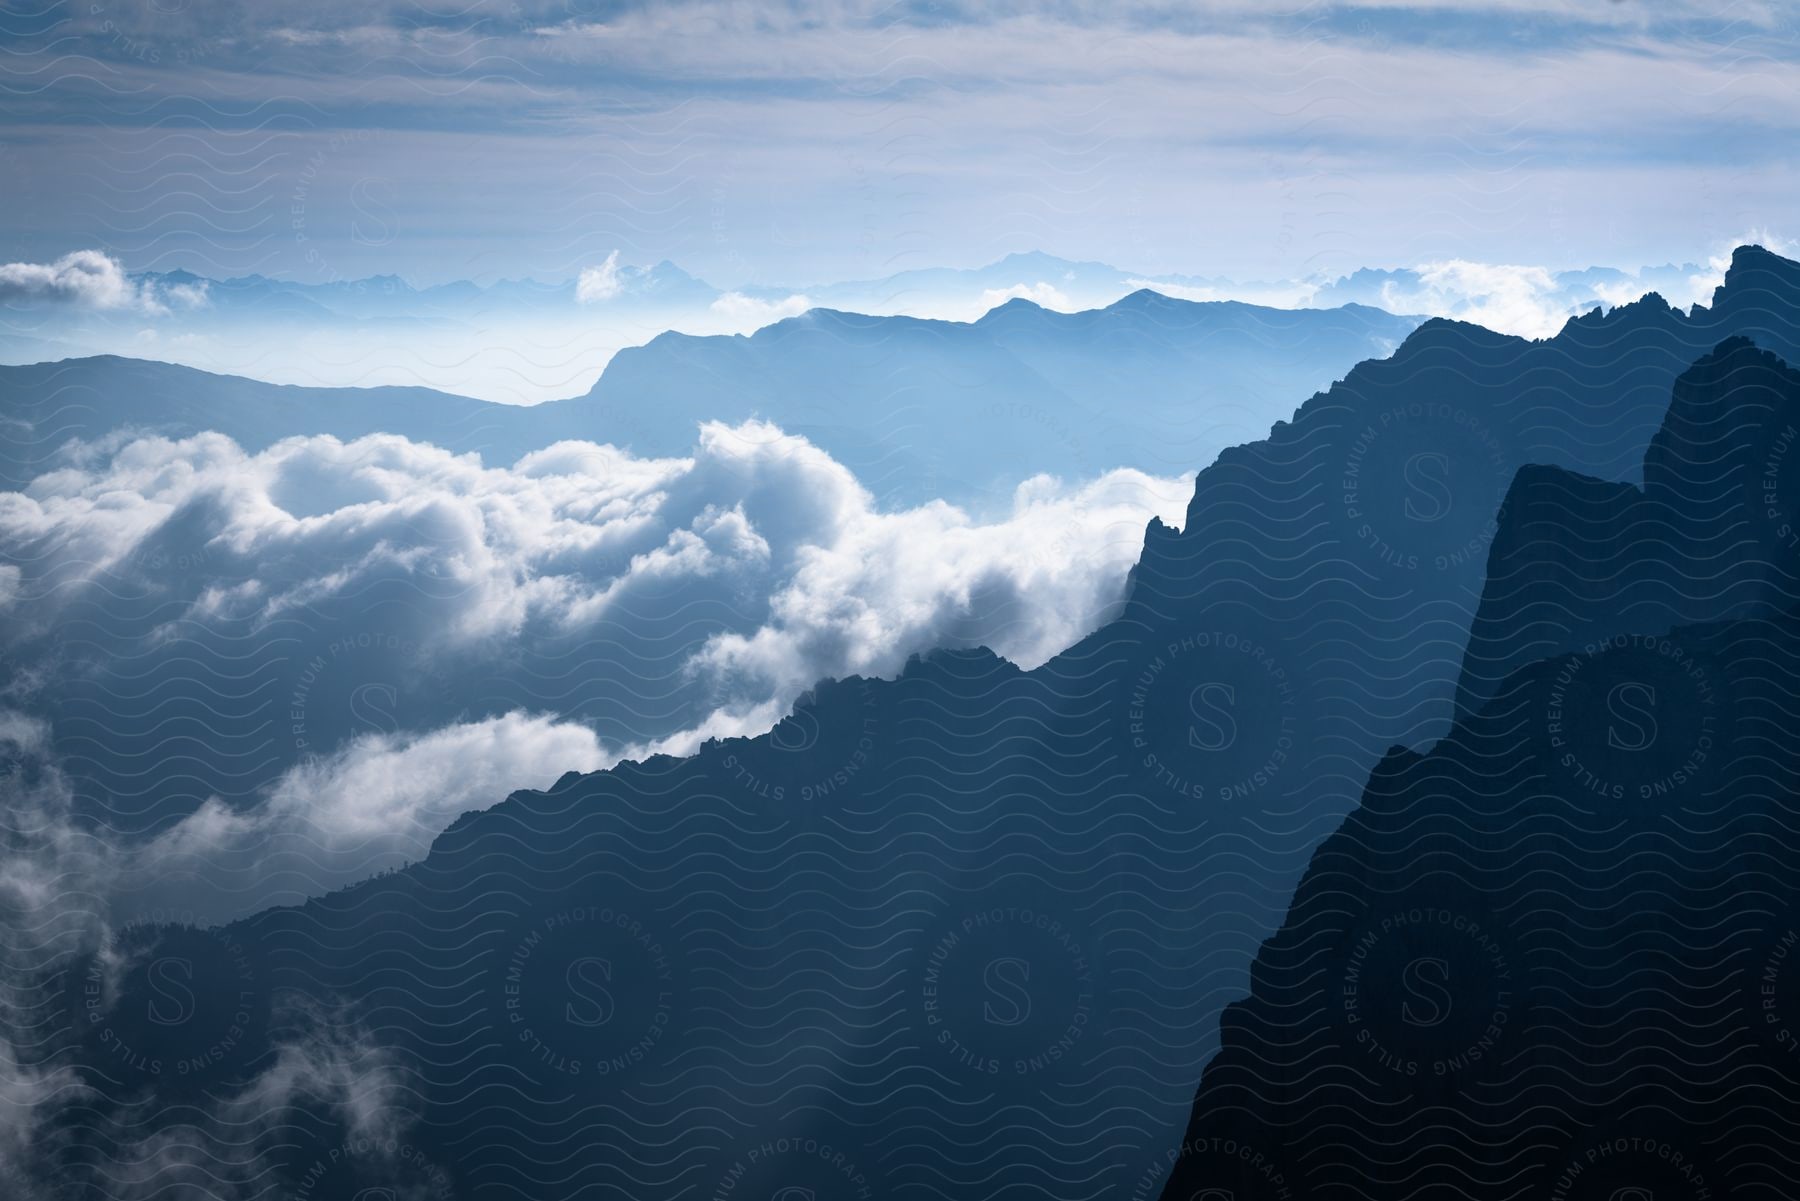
{"x": 1553, "y": 957}
{"x": 1710, "y": 535}
{"x": 971, "y": 928}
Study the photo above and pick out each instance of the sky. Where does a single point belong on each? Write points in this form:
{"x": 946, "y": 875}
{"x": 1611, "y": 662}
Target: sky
{"x": 777, "y": 144}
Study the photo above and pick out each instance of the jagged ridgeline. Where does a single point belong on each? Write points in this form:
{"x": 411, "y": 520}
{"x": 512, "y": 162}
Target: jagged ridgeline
{"x": 966, "y": 933}
{"x": 1556, "y": 956}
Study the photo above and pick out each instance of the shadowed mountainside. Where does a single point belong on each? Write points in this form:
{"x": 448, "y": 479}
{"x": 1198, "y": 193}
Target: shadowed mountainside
{"x": 1554, "y": 957}
{"x": 1704, "y": 539}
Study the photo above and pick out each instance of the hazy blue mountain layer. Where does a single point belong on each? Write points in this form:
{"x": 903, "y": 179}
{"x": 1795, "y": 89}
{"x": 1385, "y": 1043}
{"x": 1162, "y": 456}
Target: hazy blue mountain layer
{"x": 919, "y": 410}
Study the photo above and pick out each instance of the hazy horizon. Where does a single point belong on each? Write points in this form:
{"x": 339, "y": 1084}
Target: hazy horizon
{"x": 526, "y": 342}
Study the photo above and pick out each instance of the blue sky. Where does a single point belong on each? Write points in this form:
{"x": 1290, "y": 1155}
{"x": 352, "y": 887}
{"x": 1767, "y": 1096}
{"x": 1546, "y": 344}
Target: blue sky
{"x": 793, "y": 143}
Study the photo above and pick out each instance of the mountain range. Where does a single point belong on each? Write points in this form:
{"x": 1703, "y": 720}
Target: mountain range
{"x": 527, "y": 341}
{"x": 916, "y": 409}
{"x": 1554, "y": 954}
{"x": 913, "y": 292}
{"x": 307, "y": 575}
{"x": 969, "y": 932}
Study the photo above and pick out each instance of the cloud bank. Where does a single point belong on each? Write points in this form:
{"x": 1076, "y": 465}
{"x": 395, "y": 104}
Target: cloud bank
{"x": 1529, "y": 301}
{"x": 759, "y": 311}
{"x": 93, "y": 279}
{"x": 424, "y": 632}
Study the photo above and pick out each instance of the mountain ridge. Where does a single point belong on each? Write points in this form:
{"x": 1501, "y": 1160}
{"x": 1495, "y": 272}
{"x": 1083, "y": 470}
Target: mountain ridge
{"x": 1547, "y": 957}
{"x": 822, "y": 904}
{"x": 912, "y": 406}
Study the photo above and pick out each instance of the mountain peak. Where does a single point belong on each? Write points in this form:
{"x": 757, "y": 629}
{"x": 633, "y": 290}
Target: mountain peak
{"x": 1757, "y": 277}
{"x": 1753, "y": 254}
{"x": 1143, "y": 298}
{"x": 1018, "y": 306}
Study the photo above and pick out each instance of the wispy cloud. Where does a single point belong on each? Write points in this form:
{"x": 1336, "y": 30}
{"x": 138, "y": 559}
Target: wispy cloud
{"x": 1039, "y": 293}
{"x": 743, "y": 141}
{"x": 596, "y": 284}
{"x": 756, "y": 311}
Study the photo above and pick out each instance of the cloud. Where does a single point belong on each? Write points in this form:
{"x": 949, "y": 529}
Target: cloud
{"x": 87, "y": 278}
{"x": 372, "y": 805}
{"x": 1530, "y": 301}
{"x": 1512, "y": 299}
{"x": 411, "y": 620}
{"x": 95, "y": 280}
{"x": 562, "y": 539}
{"x": 742, "y": 308}
{"x": 59, "y": 883}
{"x": 640, "y": 117}
{"x": 1040, "y": 293}
{"x": 51, "y": 874}
{"x": 886, "y": 586}
{"x": 412, "y": 784}
{"x": 221, "y": 1147}
{"x": 602, "y": 283}
{"x": 189, "y": 296}
{"x": 804, "y": 577}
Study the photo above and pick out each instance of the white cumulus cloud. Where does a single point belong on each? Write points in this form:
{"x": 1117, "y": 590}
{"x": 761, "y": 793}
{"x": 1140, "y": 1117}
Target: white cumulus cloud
{"x": 741, "y": 308}
{"x": 596, "y": 284}
{"x": 89, "y": 278}
{"x": 466, "y": 629}
{"x": 374, "y": 804}
{"x": 1042, "y": 294}
{"x": 1512, "y": 299}
{"x": 93, "y": 279}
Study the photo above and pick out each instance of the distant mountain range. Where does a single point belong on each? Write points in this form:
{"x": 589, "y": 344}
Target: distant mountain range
{"x": 615, "y": 286}
{"x": 920, "y": 410}
{"x": 970, "y": 932}
{"x": 527, "y": 341}
{"x": 917, "y": 292}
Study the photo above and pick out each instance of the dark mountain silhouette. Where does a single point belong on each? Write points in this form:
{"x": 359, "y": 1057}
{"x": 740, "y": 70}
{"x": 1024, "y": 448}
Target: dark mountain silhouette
{"x": 1579, "y": 559}
{"x": 1555, "y": 956}
{"x": 968, "y": 931}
